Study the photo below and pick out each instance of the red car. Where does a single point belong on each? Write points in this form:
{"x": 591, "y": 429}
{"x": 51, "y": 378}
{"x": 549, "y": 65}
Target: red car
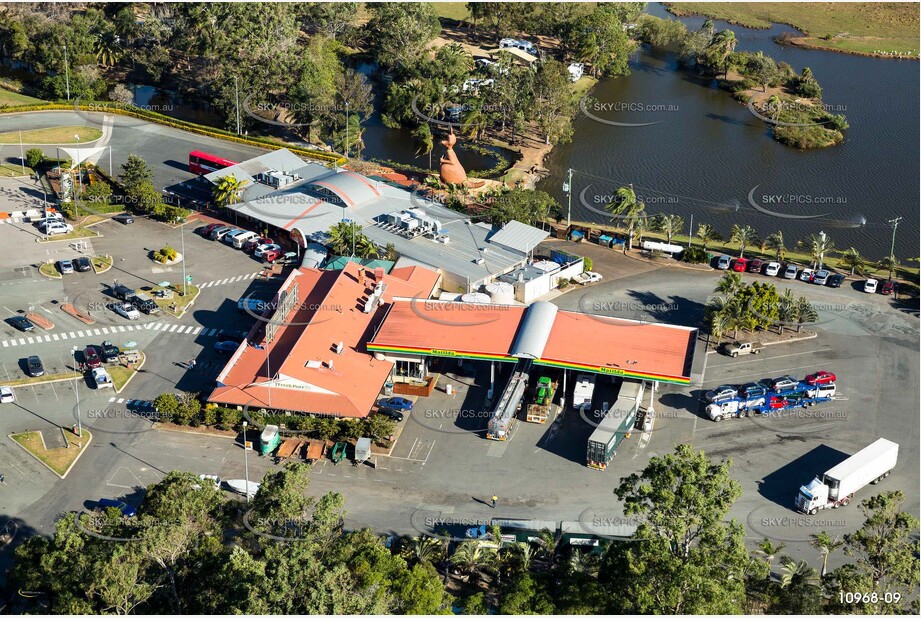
{"x": 272, "y": 254}
{"x": 821, "y": 377}
{"x": 887, "y": 288}
{"x": 206, "y": 231}
{"x": 739, "y": 265}
{"x": 91, "y": 357}
{"x": 250, "y": 245}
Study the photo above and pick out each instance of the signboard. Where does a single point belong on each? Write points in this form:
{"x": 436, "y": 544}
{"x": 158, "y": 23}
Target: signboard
{"x": 188, "y": 279}
{"x": 435, "y": 352}
{"x": 248, "y": 445}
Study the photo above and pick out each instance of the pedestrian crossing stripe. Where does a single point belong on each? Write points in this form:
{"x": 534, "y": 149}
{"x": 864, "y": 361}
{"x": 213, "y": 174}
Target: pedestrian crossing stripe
{"x": 179, "y": 329}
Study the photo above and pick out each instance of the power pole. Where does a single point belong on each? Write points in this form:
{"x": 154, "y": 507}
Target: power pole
{"x": 236, "y": 86}
{"x": 66, "y": 72}
{"x": 895, "y": 225}
{"x": 690, "y": 234}
{"x": 567, "y": 187}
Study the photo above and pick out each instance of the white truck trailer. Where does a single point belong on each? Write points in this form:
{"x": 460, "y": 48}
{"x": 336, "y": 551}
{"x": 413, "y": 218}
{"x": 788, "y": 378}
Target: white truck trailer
{"x": 583, "y": 391}
{"x": 837, "y": 486}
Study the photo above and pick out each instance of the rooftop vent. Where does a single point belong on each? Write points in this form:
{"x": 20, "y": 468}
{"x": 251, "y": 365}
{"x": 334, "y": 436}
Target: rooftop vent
{"x": 479, "y": 261}
{"x": 339, "y": 348}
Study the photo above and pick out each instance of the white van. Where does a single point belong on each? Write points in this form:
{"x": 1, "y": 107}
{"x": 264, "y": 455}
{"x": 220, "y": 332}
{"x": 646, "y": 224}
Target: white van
{"x": 240, "y": 239}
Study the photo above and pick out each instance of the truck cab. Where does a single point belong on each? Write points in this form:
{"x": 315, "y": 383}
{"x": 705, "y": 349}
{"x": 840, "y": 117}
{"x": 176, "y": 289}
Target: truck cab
{"x": 812, "y": 497}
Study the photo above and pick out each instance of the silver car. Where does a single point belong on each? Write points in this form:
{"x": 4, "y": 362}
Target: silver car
{"x": 821, "y": 277}
{"x": 790, "y": 271}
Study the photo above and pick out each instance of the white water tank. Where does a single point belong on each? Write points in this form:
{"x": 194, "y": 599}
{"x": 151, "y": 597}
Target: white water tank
{"x": 501, "y": 293}
{"x": 546, "y": 265}
{"x": 476, "y": 297}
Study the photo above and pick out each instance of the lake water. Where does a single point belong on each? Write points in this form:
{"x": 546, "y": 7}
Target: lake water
{"x": 708, "y": 157}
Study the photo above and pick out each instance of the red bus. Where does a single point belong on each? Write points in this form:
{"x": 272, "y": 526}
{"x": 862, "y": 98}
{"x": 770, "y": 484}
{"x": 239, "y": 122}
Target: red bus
{"x": 204, "y": 163}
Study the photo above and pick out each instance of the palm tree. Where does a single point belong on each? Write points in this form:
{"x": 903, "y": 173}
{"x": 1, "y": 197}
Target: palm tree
{"x": 773, "y": 106}
{"x": 818, "y": 245}
{"x": 425, "y": 141}
{"x": 722, "y": 45}
{"x": 787, "y": 311}
{"x": 719, "y": 324}
{"x": 745, "y": 235}
{"x": 706, "y": 234}
{"x": 768, "y": 551}
{"x": 643, "y": 225}
{"x": 807, "y": 75}
{"x": 852, "y": 259}
{"x": 890, "y": 262}
{"x": 227, "y": 190}
{"x": 729, "y": 285}
{"x": 797, "y": 574}
{"x": 471, "y": 557}
{"x": 107, "y": 49}
{"x": 826, "y": 545}
{"x": 774, "y": 242}
{"x": 587, "y": 563}
{"x": 630, "y": 210}
{"x": 805, "y": 312}
{"x": 668, "y": 225}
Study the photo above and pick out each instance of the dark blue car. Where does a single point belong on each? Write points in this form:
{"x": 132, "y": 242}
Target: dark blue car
{"x": 396, "y": 403}
{"x": 126, "y": 509}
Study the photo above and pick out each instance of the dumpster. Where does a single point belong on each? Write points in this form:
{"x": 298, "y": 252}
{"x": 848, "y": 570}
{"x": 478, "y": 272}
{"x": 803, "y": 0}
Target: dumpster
{"x": 269, "y": 439}
{"x": 605, "y": 241}
{"x": 362, "y": 450}
{"x": 576, "y": 236}
{"x": 338, "y": 453}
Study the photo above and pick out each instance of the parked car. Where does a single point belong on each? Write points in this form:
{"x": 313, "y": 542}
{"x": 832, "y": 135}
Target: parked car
{"x": 124, "y": 218}
{"x": 789, "y": 272}
{"x": 108, "y": 503}
{"x": 122, "y": 292}
{"x": 205, "y": 230}
{"x": 35, "y": 367}
{"x": 66, "y": 267}
{"x": 109, "y": 352}
{"x": 272, "y": 255}
{"x": 755, "y": 265}
{"x": 397, "y": 403}
{"x": 55, "y": 228}
{"x": 261, "y": 250}
{"x": 231, "y": 335}
{"x": 887, "y": 288}
{"x": 254, "y": 243}
{"x": 91, "y": 357}
{"x": 144, "y": 304}
{"x": 722, "y": 263}
{"x": 391, "y": 413}
{"x": 753, "y": 389}
{"x": 126, "y": 310}
{"x": 821, "y": 277}
{"x": 6, "y": 395}
{"x": 806, "y": 275}
{"x": 101, "y": 378}
{"x": 821, "y": 377}
{"x": 21, "y": 322}
{"x": 783, "y": 383}
{"x": 226, "y": 347}
{"x": 836, "y": 280}
{"x": 739, "y": 265}
{"x": 251, "y": 305}
{"x": 227, "y": 239}
{"x": 240, "y": 239}
{"x": 725, "y": 391}
{"x": 772, "y": 269}
{"x": 219, "y": 231}
{"x": 869, "y": 286}
{"x": 83, "y": 264}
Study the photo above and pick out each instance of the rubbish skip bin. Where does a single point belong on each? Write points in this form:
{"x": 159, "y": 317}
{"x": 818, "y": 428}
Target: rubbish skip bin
{"x": 388, "y": 388}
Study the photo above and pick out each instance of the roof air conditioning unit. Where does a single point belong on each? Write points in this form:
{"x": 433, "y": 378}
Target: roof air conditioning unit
{"x": 339, "y": 348}
{"x": 329, "y": 363}
{"x": 479, "y": 261}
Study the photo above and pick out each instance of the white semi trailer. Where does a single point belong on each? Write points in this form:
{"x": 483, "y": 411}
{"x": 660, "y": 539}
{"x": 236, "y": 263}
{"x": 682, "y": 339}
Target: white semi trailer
{"x": 837, "y": 486}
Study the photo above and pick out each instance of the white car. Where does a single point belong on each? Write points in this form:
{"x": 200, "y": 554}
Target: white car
{"x": 723, "y": 262}
{"x": 590, "y": 277}
{"x": 6, "y": 395}
{"x": 101, "y": 378}
{"x": 821, "y": 277}
{"x": 790, "y": 271}
{"x": 772, "y": 269}
{"x": 806, "y": 275}
{"x": 870, "y": 286}
{"x": 127, "y": 310}
{"x": 57, "y": 227}
{"x": 261, "y": 250}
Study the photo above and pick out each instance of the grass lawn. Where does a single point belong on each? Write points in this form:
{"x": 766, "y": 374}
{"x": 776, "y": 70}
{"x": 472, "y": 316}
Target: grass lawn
{"x": 452, "y": 10}
{"x": 865, "y": 27}
{"x": 7, "y": 97}
{"x": 48, "y": 377}
{"x": 181, "y": 302}
{"x": 49, "y": 270}
{"x": 10, "y": 170}
{"x": 101, "y": 264}
{"x": 58, "y": 459}
{"x": 52, "y": 135}
{"x": 121, "y": 374}
{"x": 79, "y": 232}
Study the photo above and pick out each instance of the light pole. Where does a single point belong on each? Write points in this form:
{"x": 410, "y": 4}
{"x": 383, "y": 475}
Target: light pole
{"x": 236, "y": 87}
{"x": 895, "y": 225}
{"x": 567, "y": 187}
{"x": 346, "y": 129}
{"x": 691, "y": 231}
{"x": 821, "y": 249}
{"x": 245, "y": 462}
{"x": 73, "y": 355}
{"x": 66, "y": 72}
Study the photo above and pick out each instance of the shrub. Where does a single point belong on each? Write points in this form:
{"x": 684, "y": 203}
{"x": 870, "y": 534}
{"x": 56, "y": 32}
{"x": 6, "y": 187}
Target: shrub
{"x": 229, "y": 418}
{"x": 694, "y": 255}
{"x": 209, "y": 415}
{"x": 34, "y": 157}
{"x": 189, "y": 409}
{"x": 166, "y": 254}
{"x": 562, "y": 284}
{"x": 167, "y": 407}
{"x": 588, "y": 263}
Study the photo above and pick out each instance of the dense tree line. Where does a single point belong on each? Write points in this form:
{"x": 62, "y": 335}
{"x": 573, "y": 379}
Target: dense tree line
{"x": 191, "y": 549}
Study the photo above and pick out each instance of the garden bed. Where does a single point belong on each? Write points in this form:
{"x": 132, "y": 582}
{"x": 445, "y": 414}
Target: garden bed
{"x": 58, "y": 460}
